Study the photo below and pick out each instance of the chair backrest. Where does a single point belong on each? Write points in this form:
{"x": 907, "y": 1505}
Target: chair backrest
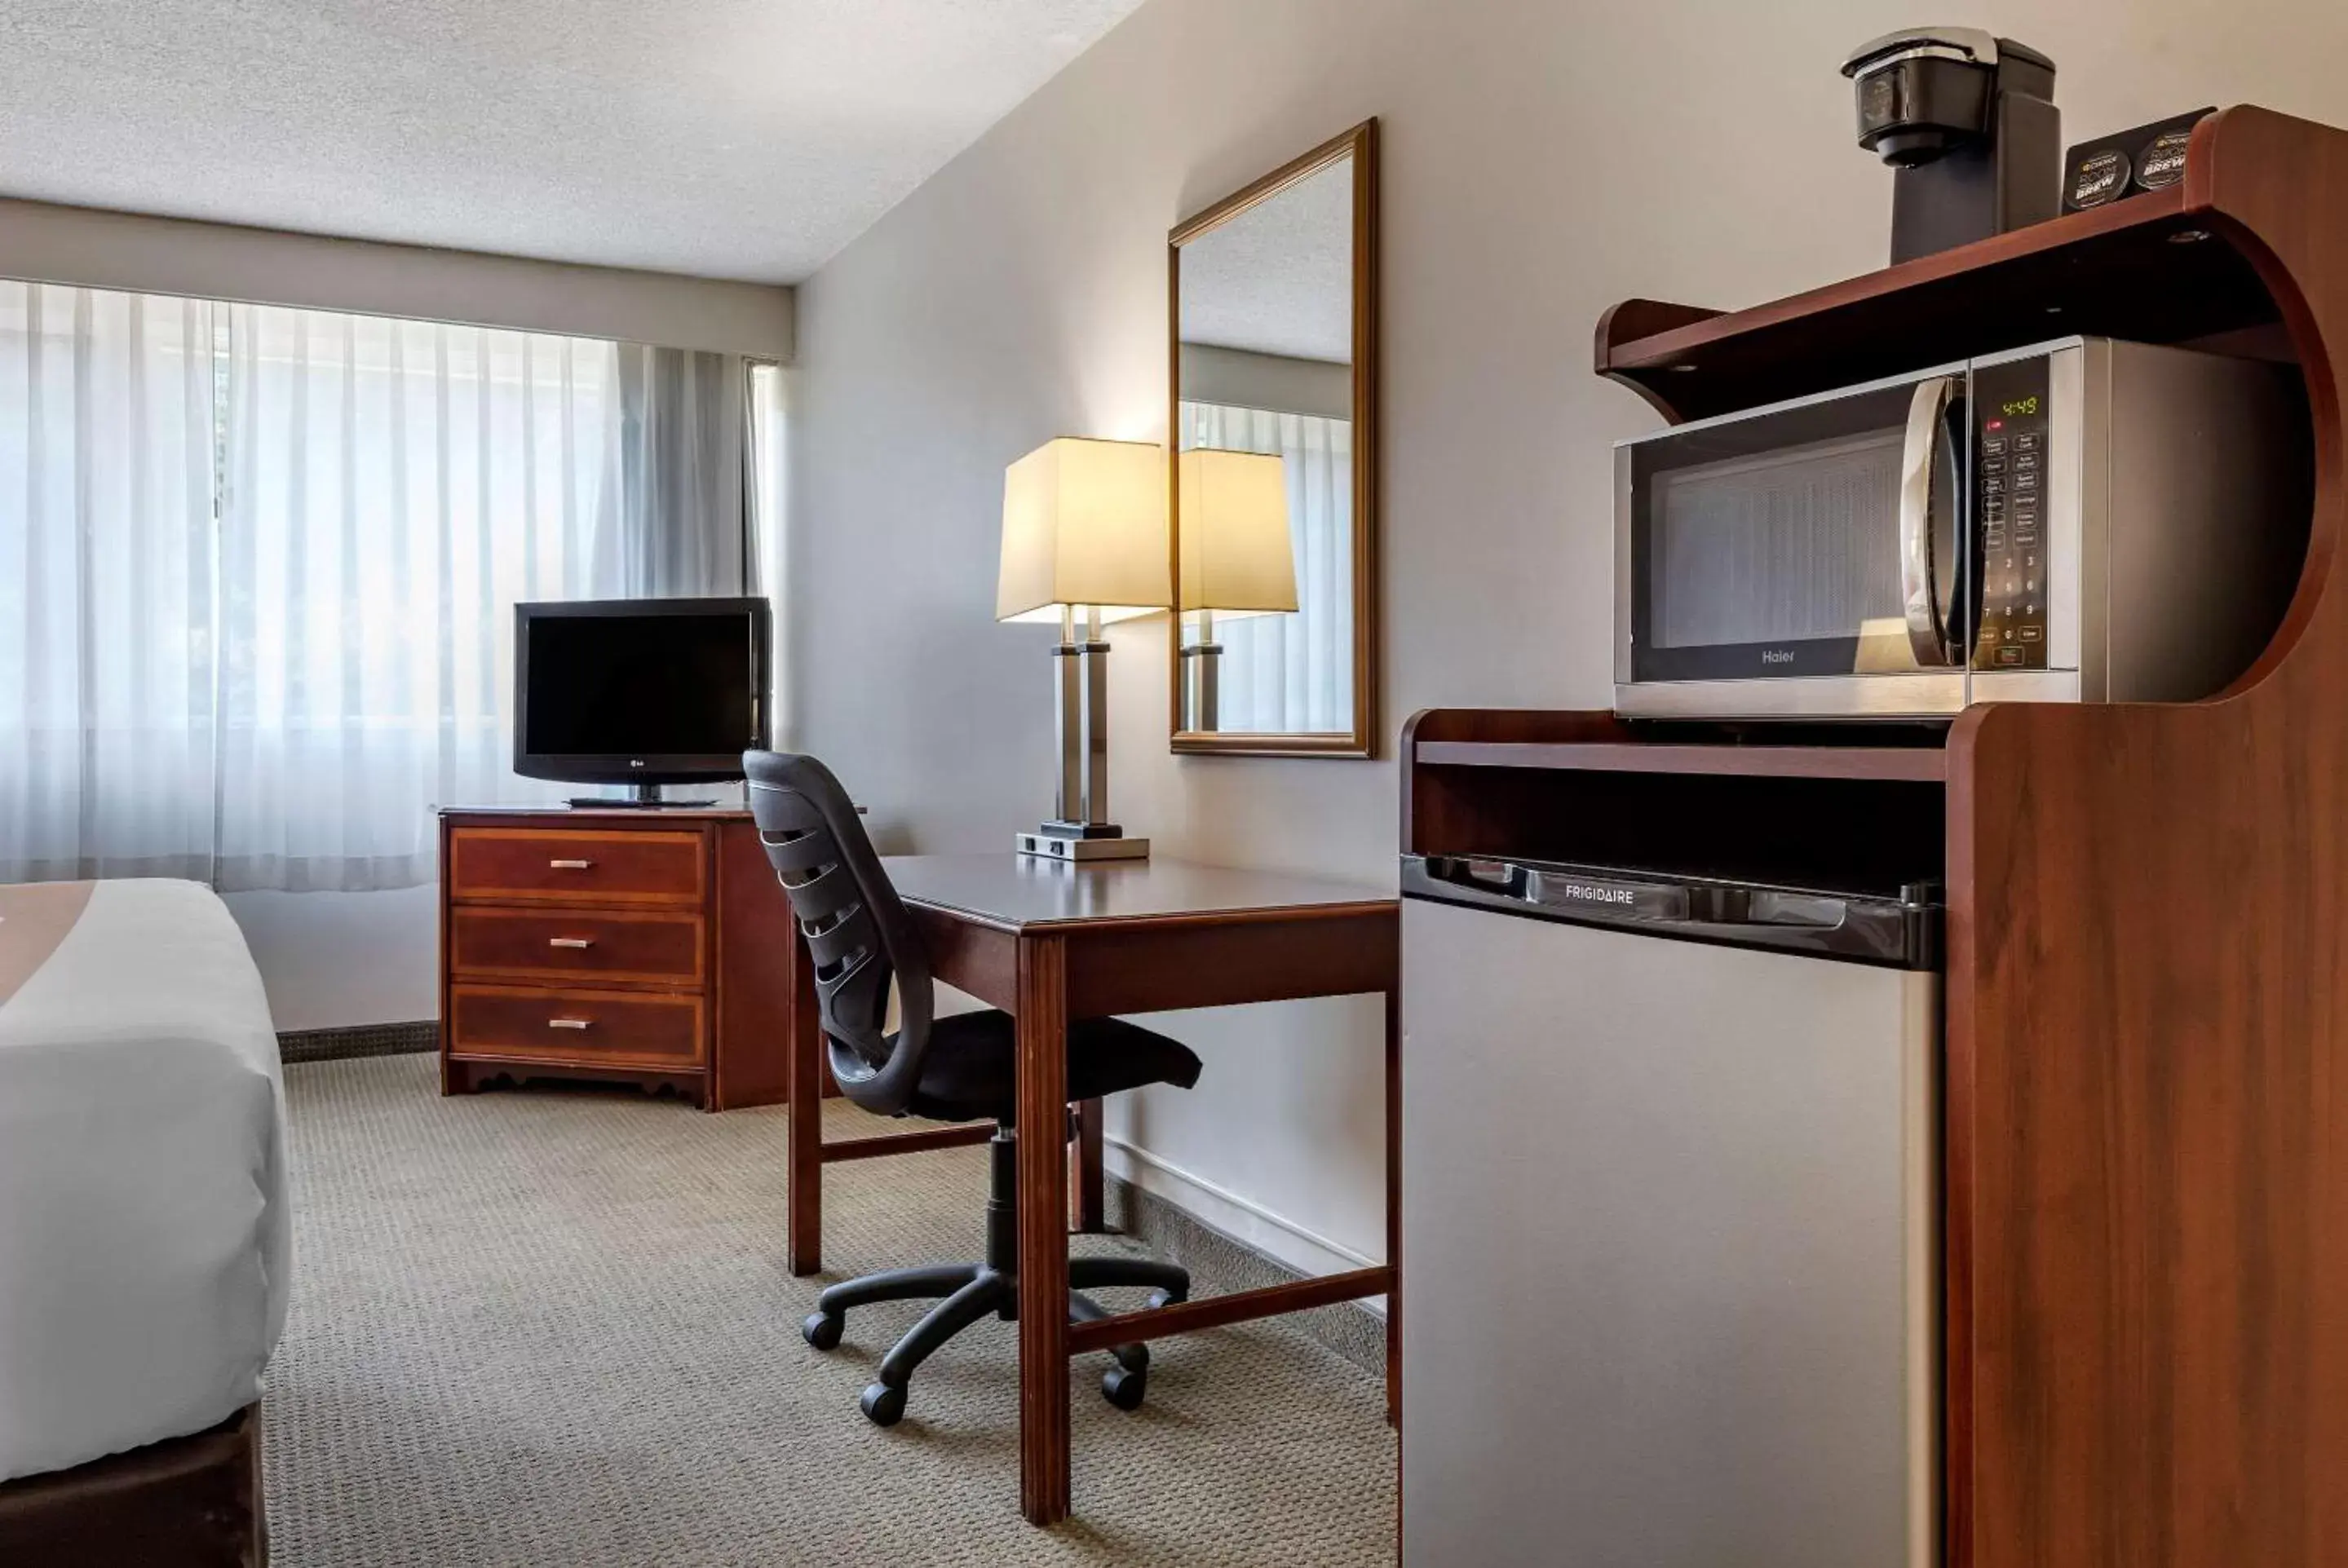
{"x": 856, "y": 927}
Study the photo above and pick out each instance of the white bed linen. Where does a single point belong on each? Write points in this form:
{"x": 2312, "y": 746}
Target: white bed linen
{"x": 144, "y": 1236}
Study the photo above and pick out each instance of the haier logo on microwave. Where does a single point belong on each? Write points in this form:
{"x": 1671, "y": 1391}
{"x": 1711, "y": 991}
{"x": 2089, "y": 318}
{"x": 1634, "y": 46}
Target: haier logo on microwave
{"x": 1776, "y": 656}
{"x": 1589, "y": 892}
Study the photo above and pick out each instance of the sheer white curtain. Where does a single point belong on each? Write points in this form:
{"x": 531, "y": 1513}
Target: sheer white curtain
{"x": 258, "y": 564}
{"x": 1291, "y": 674}
{"x": 107, "y": 699}
{"x": 393, "y": 489}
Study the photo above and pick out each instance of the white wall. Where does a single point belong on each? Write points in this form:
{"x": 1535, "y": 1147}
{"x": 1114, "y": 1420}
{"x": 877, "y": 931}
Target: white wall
{"x": 1542, "y": 161}
{"x": 334, "y": 958}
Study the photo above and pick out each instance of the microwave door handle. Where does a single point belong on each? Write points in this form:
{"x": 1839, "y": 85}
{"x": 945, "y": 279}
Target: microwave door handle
{"x": 1927, "y": 418}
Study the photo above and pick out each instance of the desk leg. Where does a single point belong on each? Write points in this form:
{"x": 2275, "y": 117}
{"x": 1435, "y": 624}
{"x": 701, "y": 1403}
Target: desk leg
{"x": 1394, "y": 1207}
{"x": 1088, "y": 1208}
{"x": 1043, "y": 1098}
{"x": 805, "y": 1226}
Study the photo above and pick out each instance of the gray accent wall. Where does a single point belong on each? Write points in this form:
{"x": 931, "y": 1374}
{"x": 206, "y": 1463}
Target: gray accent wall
{"x": 1542, "y": 161}
{"x": 51, "y": 245}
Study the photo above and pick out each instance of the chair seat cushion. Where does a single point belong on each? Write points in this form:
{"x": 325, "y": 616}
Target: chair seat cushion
{"x": 971, "y": 1069}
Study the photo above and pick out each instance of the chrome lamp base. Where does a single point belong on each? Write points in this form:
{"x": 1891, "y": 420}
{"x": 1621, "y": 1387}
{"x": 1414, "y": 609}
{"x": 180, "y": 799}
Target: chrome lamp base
{"x": 1046, "y": 844}
{"x": 1080, "y": 829}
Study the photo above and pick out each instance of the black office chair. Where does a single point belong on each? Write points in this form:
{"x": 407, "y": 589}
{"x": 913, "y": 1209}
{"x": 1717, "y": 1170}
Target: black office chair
{"x": 954, "y": 1069}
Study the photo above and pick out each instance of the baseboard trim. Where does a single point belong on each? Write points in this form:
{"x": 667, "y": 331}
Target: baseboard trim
{"x": 1221, "y": 1264}
{"x": 1242, "y": 1219}
{"x": 357, "y": 1040}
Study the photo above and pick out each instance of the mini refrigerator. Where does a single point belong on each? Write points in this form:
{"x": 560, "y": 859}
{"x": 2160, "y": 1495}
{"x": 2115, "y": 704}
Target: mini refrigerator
{"x": 1670, "y": 1226}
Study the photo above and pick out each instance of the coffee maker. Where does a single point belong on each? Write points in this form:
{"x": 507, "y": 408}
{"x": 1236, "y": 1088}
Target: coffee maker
{"x": 1968, "y": 123}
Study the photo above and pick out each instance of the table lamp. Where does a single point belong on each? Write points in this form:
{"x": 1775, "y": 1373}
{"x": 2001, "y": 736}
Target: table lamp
{"x": 1084, "y": 536}
{"x": 1236, "y": 559}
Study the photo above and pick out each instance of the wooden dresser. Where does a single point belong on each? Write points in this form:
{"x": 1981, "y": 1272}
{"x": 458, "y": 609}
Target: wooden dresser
{"x": 650, "y": 946}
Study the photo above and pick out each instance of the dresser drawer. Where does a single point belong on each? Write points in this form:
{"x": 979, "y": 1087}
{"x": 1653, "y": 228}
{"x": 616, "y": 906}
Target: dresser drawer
{"x": 591, "y": 1027}
{"x": 512, "y": 865}
{"x": 656, "y": 948}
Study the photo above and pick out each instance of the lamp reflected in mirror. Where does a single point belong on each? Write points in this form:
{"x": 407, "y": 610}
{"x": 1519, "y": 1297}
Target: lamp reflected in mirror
{"x": 1236, "y": 560}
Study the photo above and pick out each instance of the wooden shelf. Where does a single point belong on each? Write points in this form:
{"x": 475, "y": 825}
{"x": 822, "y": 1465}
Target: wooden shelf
{"x": 1921, "y": 764}
{"x": 2158, "y": 268}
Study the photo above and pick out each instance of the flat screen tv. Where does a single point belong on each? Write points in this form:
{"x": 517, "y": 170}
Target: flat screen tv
{"x": 642, "y": 691}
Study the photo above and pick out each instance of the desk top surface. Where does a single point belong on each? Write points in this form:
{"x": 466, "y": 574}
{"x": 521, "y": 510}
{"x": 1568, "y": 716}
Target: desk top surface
{"x": 1017, "y": 892}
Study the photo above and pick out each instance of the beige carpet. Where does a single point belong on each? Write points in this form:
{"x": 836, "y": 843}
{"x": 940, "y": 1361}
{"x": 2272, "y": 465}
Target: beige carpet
{"x": 555, "y": 1327}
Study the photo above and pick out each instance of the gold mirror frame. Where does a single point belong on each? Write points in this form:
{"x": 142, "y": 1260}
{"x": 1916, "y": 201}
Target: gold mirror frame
{"x": 1360, "y": 144}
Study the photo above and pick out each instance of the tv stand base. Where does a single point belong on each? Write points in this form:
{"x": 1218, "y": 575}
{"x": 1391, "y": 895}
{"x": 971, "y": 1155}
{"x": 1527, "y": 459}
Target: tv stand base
{"x": 645, "y": 797}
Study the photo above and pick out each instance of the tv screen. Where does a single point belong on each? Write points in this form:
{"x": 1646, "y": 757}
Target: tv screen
{"x": 639, "y": 690}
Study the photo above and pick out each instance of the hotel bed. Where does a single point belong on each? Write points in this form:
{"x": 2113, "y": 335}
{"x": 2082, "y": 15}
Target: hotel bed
{"x": 144, "y": 1230}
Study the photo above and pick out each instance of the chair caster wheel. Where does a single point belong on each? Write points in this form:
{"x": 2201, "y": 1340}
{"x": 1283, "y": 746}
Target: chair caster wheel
{"x": 1124, "y": 1388}
{"x": 822, "y": 1330}
{"x": 1134, "y": 1357}
{"x": 1158, "y": 1298}
{"x": 883, "y": 1406}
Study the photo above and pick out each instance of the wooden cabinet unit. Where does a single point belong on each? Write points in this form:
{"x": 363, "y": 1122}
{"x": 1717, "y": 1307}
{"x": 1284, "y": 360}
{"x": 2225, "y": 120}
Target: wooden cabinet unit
{"x": 2145, "y": 1171}
{"x": 650, "y": 946}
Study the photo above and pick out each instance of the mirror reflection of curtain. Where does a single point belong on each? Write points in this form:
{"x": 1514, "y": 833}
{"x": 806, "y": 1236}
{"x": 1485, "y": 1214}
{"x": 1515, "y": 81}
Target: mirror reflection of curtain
{"x": 1291, "y": 674}
{"x": 257, "y": 568}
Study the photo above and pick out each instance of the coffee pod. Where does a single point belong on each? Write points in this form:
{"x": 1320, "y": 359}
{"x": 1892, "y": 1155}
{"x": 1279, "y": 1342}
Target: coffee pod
{"x": 2098, "y": 177}
{"x": 2162, "y": 161}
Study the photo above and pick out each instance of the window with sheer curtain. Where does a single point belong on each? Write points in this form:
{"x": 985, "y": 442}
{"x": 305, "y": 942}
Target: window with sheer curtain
{"x": 257, "y": 568}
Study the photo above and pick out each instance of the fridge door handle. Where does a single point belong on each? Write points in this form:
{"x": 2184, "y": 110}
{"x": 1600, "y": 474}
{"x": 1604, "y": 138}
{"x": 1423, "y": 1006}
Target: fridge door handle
{"x": 1769, "y": 906}
{"x": 1500, "y": 876}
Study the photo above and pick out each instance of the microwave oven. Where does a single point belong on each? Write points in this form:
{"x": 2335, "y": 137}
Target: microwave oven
{"x": 2082, "y": 520}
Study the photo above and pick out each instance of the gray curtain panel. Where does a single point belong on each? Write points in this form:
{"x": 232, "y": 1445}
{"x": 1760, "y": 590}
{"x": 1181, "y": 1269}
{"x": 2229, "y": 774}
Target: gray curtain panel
{"x": 681, "y": 490}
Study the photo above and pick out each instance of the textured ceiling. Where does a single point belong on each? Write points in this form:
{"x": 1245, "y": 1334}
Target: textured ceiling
{"x": 1277, "y": 278}
{"x": 736, "y": 138}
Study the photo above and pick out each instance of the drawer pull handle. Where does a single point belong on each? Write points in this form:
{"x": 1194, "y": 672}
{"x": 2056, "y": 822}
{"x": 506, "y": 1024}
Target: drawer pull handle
{"x": 569, "y": 864}
{"x": 571, "y": 941}
{"x": 566, "y": 1023}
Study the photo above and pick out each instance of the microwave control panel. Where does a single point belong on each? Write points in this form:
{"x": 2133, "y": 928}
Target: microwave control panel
{"x": 2010, "y": 420}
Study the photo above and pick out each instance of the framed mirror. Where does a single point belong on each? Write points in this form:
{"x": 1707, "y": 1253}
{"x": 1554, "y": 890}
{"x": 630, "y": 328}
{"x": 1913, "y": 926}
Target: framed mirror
{"x": 1272, "y": 310}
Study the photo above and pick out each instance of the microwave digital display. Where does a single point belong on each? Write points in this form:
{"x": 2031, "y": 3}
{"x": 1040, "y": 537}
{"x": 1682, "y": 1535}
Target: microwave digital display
{"x": 2010, "y": 500}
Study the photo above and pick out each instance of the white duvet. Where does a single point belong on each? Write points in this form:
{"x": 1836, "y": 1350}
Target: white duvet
{"x": 144, "y": 1230}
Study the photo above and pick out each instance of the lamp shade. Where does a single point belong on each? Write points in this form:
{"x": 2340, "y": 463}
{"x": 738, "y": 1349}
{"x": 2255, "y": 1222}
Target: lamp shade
{"x": 1236, "y": 554}
{"x": 1084, "y": 522}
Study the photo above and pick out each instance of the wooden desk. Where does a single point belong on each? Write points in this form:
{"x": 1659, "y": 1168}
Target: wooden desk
{"x": 1049, "y": 943}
